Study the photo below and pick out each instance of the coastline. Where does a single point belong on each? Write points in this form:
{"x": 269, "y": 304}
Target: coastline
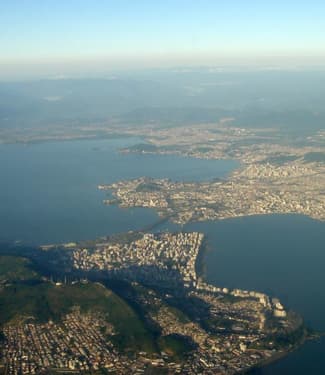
{"x": 278, "y": 356}
{"x": 201, "y": 269}
{"x": 200, "y": 264}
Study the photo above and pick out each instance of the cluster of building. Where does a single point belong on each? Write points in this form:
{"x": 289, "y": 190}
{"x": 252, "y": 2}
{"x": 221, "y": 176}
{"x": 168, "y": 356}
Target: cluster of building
{"x": 234, "y": 343}
{"x": 209, "y": 141}
{"x": 82, "y": 342}
{"x": 218, "y": 353}
{"x": 165, "y": 257}
{"x": 143, "y": 197}
{"x": 263, "y": 299}
{"x": 294, "y": 187}
{"x": 275, "y": 176}
{"x": 169, "y": 260}
{"x": 75, "y": 343}
{"x": 223, "y": 140}
{"x": 155, "y": 257}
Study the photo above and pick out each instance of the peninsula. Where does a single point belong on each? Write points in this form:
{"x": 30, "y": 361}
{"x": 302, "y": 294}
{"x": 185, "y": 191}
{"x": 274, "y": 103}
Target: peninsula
{"x": 135, "y": 302}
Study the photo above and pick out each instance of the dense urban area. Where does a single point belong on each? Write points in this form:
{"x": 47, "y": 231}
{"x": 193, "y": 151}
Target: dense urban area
{"x": 272, "y": 177}
{"x": 220, "y": 330}
{"x": 162, "y": 187}
{"x": 175, "y": 322}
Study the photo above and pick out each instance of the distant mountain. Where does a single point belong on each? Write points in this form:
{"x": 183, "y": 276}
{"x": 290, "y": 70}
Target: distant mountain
{"x": 30, "y": 103}
{"x": 291, "y": 100}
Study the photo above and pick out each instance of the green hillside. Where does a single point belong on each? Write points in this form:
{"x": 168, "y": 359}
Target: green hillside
{"x": 25, "y": 296}
{"x": 13, "y": 268}
{"x": 44, "y": 301}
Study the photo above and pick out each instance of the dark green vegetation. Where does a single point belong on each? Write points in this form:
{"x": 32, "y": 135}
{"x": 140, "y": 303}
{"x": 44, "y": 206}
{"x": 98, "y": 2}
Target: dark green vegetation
{"x": 44, "y": 301}
{"x": 286, "y": 337}
{"x": 282, "y": 342}
{"x": 175, "y": 346}
{"x": 132, "y": 308}
{"x": 27, "y": 296}
{"x": 145, "y": 301}
{"x": 16, "y": 268}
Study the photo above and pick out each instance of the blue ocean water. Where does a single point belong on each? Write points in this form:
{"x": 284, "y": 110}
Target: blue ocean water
{"x": 282, "y": 255}
{"x": 48, "y": 191}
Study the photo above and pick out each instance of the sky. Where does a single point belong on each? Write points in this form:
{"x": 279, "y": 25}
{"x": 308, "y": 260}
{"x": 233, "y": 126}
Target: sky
{"x": 98, "y": 34}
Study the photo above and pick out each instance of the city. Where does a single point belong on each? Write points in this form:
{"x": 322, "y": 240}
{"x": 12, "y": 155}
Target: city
{"x": 293, "y": 187}
{"x": 225, "y": 331}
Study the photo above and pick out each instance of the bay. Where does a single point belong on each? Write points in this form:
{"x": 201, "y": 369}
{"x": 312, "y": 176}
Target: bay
{"x": 48, "y": 191}
{"x": 283, "y": 256}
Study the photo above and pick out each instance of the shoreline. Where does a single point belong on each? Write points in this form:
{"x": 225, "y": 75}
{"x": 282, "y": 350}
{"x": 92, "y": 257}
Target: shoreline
{"x": 277, "y": 357}
{"x": 201, "y": 269}
{"x": 200, "y": 264}
{"x": 72, "y": 139}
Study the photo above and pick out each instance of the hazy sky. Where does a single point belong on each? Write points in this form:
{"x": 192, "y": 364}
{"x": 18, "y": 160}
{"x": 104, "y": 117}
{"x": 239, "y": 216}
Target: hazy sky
{"x": 72, "y": 34}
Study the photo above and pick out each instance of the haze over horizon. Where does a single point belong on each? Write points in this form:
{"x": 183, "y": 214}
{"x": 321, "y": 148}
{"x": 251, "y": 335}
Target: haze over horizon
{"x": 41, "y": 39}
